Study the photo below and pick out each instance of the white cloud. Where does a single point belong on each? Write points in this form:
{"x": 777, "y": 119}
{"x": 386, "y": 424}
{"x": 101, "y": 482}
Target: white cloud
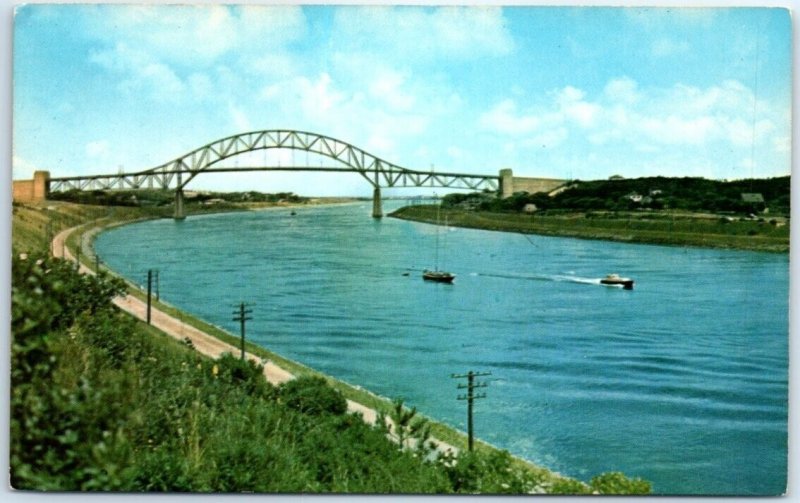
{"x": 503, "y": 118}
{"x": 199, "y": 35}
{"x": 421, "y": 34}
{"x": 175, "y": 53}
{"x": 623, "y": 90}
{"x": 676, "y": 130}
{"x": 690, "y": 128}
{"x": 142, "y": 72}
{"x": 571, "y": 105}
{"x": 388, "y": 88}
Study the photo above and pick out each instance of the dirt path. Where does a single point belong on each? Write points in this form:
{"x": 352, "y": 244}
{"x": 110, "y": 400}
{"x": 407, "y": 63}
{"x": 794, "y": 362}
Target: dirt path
{"x": 205, "y": 343}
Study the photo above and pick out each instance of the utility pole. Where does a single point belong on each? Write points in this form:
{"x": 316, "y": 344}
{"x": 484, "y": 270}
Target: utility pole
{"x": 240, "y": 315}
{"x": 158, "y": 295}
{"x": 96, "y": 263}
{"x": 149, "y": 291}
{"x": 470, "y": 397}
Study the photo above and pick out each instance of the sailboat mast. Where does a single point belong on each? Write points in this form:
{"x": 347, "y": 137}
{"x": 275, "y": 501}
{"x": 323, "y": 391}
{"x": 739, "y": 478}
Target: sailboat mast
{"x": 436, "y": 263}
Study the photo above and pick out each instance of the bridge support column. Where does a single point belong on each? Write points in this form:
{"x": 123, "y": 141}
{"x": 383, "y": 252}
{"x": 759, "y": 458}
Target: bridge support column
{"x": 180, "y": 213}
{"x": 377, "y": 209}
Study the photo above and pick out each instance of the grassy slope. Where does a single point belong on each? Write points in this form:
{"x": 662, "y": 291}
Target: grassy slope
{"x": 653, "y": 228}
{"x": 29, "y": 234}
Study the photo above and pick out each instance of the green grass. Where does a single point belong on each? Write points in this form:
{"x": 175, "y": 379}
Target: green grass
{"x": 672, "y": 229}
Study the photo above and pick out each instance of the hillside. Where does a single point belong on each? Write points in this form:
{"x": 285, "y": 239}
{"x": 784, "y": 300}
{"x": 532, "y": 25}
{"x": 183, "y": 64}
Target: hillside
{"x": 653, "y": 193}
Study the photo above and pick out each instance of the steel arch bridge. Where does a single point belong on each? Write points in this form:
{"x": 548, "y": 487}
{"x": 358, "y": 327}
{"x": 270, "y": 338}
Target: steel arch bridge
{"x": 348, "y": 158}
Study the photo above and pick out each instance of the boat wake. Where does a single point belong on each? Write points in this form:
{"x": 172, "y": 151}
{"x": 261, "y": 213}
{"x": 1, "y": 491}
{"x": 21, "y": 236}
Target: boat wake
{"x": 541, "y": 277}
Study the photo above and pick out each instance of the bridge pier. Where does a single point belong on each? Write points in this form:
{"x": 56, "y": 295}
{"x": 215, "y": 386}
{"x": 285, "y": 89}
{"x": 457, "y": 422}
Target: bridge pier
{"x": 180, "y": 213}
{"x": 377, "y": 209}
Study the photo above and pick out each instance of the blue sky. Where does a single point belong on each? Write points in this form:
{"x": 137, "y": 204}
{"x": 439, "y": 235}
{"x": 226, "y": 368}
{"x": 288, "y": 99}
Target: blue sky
{"x": 562, "y": 92}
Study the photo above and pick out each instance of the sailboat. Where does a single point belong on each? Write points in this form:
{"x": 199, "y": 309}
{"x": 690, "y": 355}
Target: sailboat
{"x": 436, "y": 274}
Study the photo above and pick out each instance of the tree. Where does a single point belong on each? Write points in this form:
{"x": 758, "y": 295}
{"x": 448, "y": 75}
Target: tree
{"x": 408, "y": 430}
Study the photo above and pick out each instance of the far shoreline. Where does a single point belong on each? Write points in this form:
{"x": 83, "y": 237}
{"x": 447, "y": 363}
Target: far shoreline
{"x": 581, "y": 226}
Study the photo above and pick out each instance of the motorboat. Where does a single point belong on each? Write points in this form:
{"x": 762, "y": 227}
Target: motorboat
{"x": 616, "y": 280}
{"x": 438, "y": 276}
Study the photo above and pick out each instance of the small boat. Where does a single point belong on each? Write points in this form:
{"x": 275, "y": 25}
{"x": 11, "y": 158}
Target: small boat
{"x": 439, "y": 276}
{"x": 616, "y": 280}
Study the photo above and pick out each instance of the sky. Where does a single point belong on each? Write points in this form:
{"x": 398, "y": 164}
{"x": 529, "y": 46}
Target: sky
{"x": 558, "y": 92}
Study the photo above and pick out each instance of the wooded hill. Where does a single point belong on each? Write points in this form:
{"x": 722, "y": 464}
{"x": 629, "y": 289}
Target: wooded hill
{"x": 690, "y": 194}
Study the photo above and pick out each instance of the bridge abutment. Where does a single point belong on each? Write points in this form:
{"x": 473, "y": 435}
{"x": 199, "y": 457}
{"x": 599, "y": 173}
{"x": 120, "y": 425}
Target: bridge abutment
{"x": 509, "y": 184}
{"x": 28, "y": 191}
{"x": 180, "y": 212}
{"x": 377, "y": 206}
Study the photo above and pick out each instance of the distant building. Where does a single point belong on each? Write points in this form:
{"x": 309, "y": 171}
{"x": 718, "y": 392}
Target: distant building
{"x": 530, "y": 208}
{"x": 636, "y": 198}
{"x": 752, "y": 198}
{"x": 755, "y": 200}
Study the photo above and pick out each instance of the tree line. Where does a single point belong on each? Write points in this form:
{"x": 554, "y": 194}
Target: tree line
{"x": 165, "y": 197}
{"x": 655, "y": 193}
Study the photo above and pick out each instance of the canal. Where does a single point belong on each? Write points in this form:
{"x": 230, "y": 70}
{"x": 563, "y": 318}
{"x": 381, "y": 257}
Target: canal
{"x": 682, "y": 381}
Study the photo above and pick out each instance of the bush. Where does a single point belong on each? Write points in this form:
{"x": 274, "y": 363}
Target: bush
{"x": 312, "y": 395}
{"x": 618, "y": 483}
{"x": 478, "y": 472}
{"x": 246, "y": 375}
{"x": 66, "y": 407}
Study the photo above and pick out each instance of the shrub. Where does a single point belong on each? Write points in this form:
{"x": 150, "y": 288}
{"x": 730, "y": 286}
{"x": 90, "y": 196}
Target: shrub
{"x": 312, "y": 395}
{"x": 247, "y": 375}
{"x": 569, "y": 487}
{"x": 618, "y": 483}
{"x": 479, "y": 472}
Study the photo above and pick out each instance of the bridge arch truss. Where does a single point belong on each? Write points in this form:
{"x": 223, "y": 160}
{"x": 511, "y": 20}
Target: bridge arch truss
{"x": 180, "y": 171}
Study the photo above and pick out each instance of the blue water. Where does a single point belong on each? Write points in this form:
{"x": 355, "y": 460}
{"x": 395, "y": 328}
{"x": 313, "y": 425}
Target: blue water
{"x": 682, "y": 381}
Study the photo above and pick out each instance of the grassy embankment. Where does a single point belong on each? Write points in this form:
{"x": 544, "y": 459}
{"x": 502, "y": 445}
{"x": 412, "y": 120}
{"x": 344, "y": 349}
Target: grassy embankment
{"x": 32, "y": 226}
{"x": 662, "y": 228}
